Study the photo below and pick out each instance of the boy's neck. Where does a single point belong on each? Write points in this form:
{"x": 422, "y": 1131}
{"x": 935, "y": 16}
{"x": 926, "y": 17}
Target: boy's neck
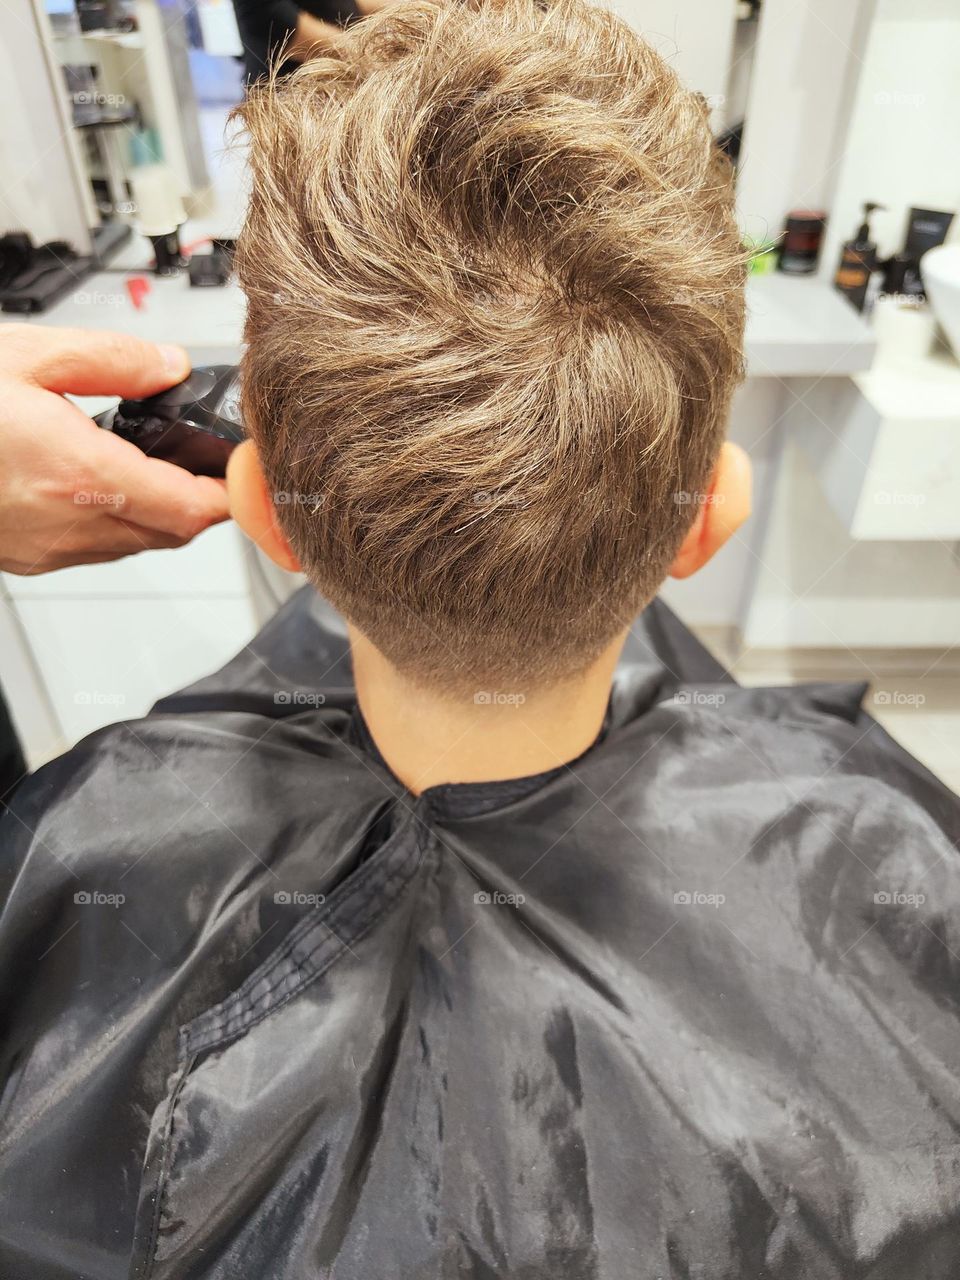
{"x": 493, "y": 734}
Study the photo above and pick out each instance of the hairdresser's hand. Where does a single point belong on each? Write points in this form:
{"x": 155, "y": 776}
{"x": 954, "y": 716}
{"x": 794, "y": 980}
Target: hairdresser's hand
{"x": 315, "y": 38}
{"x": 71, "y": 493}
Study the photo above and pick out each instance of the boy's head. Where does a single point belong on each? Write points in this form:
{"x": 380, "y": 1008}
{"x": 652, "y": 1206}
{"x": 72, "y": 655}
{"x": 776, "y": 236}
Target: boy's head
{"x": 495, "y": 321}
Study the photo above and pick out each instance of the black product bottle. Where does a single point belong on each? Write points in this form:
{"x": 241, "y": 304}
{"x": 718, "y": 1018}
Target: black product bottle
{"x": 927, "y": 229}
{"x": 858, "y": 261}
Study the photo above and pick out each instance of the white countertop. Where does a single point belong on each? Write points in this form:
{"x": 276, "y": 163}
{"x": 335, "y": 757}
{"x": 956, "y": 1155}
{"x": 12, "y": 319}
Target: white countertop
{"x": 801, "y": 328}
{"x": 202, "y": 320}
{"x": 795, "y": 328}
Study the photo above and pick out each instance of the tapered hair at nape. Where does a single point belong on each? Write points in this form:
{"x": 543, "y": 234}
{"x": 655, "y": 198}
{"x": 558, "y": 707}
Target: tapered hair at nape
{"x": 495, "y": 319}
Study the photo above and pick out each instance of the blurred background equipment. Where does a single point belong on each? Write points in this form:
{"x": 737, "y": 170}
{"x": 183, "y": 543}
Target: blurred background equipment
{"x": 160, "y": 215}
{"x": 32, "y": 277}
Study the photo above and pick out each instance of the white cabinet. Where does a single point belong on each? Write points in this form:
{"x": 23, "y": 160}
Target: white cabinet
{"x": 818, "y": 587}
{"x": 210, "y": 565}
{"x": 108, "y": 640}
{"x": 102, "y": 661}
{"x": 885, "y": 446}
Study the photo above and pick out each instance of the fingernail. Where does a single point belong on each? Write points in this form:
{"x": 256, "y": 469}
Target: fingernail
{"x": 175, "y": 360}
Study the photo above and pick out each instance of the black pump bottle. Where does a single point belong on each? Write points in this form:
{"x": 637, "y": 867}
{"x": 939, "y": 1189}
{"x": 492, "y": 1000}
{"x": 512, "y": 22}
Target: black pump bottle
{"x": 858, "y": 261}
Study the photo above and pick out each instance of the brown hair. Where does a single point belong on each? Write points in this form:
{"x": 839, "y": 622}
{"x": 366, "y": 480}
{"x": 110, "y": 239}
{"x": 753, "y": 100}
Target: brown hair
{"x": 495, "y": 320}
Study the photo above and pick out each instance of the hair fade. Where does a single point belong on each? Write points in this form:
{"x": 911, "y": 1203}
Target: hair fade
{"x": 495, "y": 319}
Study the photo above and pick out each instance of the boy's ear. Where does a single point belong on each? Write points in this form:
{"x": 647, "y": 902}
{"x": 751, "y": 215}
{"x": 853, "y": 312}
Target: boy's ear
{"x": 721, "y": 512}
{"x": 251, "y": 505}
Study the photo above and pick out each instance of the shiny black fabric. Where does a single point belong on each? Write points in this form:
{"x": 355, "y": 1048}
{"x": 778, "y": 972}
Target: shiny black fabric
{"x": 708, "y": 1030}
{"x": 13, "y": 767}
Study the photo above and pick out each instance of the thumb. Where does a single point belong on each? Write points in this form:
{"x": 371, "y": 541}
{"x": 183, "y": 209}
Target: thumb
{"x": 90, "y": 362}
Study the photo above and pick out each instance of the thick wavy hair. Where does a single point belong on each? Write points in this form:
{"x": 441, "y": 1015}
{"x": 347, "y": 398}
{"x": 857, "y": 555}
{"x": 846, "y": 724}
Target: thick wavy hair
{"x": 495, "y": 318}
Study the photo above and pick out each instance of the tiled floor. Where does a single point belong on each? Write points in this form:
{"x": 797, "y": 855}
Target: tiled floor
{"x": 914, "y": 695}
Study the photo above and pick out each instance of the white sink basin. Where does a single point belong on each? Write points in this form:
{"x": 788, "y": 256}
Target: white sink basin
{"x": 940, "y": 269}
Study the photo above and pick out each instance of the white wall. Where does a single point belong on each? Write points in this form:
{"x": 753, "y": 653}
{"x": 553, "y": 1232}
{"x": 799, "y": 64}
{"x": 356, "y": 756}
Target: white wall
{"x": 694, "y": 36}
{"x": 903, "y": 146}
{"x": 805, "y": 72}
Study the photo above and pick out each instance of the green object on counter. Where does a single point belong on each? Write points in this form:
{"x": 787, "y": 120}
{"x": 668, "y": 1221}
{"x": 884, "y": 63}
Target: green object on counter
{"x": 763, "y": 256}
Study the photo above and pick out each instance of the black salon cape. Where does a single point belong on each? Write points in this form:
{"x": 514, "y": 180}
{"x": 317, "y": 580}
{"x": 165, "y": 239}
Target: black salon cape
{"x": 686, "y": 1009}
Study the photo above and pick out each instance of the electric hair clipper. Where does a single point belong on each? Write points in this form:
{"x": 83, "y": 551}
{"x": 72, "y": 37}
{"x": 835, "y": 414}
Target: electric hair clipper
{"x": 195, "y": 424}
